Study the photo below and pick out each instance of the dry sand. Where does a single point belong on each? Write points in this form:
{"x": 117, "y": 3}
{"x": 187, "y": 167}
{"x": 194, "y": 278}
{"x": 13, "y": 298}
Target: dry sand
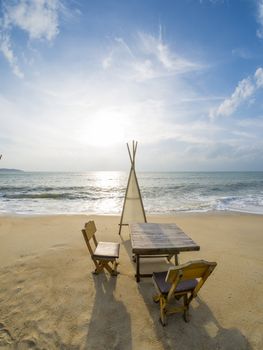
{"x": 49, "y": 299}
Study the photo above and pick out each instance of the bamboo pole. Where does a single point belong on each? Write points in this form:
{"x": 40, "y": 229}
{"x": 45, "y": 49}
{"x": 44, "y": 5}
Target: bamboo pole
{"x": 132, "y": 152}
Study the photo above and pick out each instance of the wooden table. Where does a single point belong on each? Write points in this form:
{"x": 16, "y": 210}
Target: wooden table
{"x": 150, "y": 240}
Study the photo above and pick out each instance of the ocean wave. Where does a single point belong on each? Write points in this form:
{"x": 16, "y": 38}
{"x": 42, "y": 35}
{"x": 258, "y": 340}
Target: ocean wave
{"x": 33, "y": 188}
{"x": 60, "y": 196}
{"x": 38, "y": 196}
{"x": 162, "y": 193}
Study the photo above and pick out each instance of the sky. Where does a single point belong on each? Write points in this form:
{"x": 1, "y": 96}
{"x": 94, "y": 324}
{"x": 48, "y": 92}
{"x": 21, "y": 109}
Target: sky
{"x": 80, "y": 78}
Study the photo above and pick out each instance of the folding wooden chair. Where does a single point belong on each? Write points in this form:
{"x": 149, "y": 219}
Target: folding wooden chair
{"x": 180, "y": 281}
{"x": 105, "y": 254}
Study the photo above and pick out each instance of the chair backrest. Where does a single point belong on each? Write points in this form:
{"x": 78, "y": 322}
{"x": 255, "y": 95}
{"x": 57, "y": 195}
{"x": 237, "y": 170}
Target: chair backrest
{"x": 190, "y": 270}
{"x": 88, "y": 233}
{"x": 90, "y": 229}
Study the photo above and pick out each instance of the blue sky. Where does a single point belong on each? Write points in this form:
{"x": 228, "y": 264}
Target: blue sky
{"x": 79, "y": 79}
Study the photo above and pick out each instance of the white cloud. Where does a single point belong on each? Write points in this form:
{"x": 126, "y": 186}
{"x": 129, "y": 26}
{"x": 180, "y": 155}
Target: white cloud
{"x": 126, "y": 47}
{"x": 259, "y": 77}
{"x": 244, "y": 91}
{"x": 80, "y": 116}
{"x": 6, "y": 49}
{"x": 243, "y": 53}
{"x": 39, "y": 18}
{"x": 159, "y": 51}
{"x": 144, "y": 70}
{"x": 107, "y": 61}
{"x": 260, "y": 19}
{"x": 146, "y": 58}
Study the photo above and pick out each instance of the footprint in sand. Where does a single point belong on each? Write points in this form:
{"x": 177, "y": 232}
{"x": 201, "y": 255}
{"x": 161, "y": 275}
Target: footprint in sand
{"x": 5, "y": 336}
{"x": 59, "y": 245}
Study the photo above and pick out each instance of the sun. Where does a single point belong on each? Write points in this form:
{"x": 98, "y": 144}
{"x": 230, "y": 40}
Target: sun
{"x": 105, "y": 131}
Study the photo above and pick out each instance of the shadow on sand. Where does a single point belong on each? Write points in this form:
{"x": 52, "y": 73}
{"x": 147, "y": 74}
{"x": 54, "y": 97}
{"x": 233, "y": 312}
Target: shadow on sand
{"x": 202, "y": 332}
{"x": 110, "y": 325}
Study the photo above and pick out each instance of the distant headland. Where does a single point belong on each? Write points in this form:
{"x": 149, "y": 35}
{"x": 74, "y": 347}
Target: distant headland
{"x": 5, "y": 170}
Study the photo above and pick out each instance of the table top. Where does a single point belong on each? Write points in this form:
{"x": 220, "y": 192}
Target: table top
{"x": 153, "y": 239}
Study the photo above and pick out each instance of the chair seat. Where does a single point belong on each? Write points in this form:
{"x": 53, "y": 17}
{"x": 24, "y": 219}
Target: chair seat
{"x": 164, "y": 287}
{"x": 107, "y": 250}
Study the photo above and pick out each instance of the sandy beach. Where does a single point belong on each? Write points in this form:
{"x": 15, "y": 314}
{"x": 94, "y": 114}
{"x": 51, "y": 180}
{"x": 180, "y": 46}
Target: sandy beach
{"x": 49, "y": 298}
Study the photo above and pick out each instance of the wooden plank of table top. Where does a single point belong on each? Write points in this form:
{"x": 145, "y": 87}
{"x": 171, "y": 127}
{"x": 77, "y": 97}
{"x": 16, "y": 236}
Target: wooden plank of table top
{"x": 147, "y": 238}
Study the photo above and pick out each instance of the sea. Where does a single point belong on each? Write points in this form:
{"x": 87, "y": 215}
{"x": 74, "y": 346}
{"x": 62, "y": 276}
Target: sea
{"x": 102, "y": 192}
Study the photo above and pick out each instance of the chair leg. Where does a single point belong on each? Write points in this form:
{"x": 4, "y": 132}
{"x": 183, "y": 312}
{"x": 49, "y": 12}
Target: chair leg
{"x": 186, "y": 309}
{"x": 156, "y": 298}
{"x": 163, "y": 311}
{"x": 98, "y": 267}
{"x": 114, "y": 271}
{"x": 169, "y": 257}
{"x": 105, "y": 265}
{"x": 186, "y": 316}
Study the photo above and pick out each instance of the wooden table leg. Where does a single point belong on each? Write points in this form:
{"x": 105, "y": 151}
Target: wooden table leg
{"x": 176, "y": 261}
{"x": 137, "y": 268}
